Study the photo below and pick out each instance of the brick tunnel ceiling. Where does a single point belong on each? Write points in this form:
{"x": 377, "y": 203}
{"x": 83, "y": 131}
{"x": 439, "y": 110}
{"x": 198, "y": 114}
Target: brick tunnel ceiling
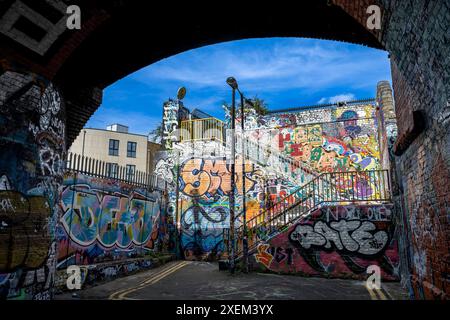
{"x": 134, "y": 34}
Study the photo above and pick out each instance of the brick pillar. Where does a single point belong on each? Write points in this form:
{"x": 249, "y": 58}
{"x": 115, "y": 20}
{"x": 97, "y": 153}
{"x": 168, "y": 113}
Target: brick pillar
{"x": 32, "y": 149}
{"x": 387, "y": 122}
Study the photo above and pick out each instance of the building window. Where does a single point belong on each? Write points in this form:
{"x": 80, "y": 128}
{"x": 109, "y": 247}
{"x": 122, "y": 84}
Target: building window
{"x": 131, "y": 169}
{"x": 112, "y": 170}
{"x": 131, "y": 149}
{"x": 113, "y": 147}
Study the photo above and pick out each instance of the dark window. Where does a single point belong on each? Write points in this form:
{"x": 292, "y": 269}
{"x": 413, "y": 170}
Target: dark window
{"x": 113, "y": 147}
{"x": 131, "y": 149}
{"x": 131, "y": 169}
{"x": 112, "y": 170}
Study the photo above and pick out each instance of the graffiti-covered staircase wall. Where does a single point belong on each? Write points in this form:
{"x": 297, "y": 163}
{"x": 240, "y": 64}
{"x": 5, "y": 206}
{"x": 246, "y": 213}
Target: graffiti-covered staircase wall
{"x": 203, "y": 197}
{"x": 335, "y": 241}
{"x": 297, "y": 145}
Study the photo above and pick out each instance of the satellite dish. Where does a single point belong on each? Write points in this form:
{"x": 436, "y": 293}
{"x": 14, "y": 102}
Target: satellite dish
{"x": 181, "y": 93}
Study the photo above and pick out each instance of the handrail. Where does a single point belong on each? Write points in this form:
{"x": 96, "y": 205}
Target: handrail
{"x": 297, "y": 163}
{"x": 213, "y": 129}
{"x": 202, "y": 129}
{"x": 263, "y": 154}
{"x": 202, "y": 119}
{"x": 377, "y": 179}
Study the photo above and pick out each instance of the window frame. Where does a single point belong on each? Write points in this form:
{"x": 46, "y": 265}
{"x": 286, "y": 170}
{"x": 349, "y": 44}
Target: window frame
{"x": 130, "y": 151}
{"x": 112, "y": 173}
{"x": 129, "y": 176}
{"x": 112, "y": 151}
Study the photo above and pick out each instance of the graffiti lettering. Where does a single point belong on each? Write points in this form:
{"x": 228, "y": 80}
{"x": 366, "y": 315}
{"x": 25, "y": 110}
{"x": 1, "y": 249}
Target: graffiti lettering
{"x": 91, "y": 215}
{"x": 353, "y": 236}
{"x": 208, "y": 177}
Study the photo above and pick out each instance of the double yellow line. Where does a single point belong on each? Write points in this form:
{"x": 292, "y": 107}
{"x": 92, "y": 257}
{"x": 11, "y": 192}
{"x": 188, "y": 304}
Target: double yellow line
{"x": 120, "y": 295}
{"x": 378, "y": 294}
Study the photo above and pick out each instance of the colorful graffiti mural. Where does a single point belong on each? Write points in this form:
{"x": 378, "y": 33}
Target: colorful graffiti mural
{"x": 202, "y": 177}
{"x": 170, "y": 122}
{"x": 202, "y": 225}
{"x": 339, "y": 241}
{"x": 105, "y": 219}
{"x": 339, "y": 138}
{"x": 32, "y": 147}
{"x": 204, "y": 185}
{"x": 349, "y": 141}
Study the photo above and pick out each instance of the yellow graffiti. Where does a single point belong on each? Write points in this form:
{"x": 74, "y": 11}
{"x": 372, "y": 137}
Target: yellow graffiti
{"x": 209, "y": 177}
{"x": 24, "y": 240}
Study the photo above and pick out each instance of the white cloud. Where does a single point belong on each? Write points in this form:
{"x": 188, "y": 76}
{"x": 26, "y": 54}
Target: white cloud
{"x": 297, "y": 63}
{"x": 284, "y": 72}
{"x": 338, "y": 98}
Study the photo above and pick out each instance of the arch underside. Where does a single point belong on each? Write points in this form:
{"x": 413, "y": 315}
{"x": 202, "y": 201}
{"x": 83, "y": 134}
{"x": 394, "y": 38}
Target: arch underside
{"x": 121, "y": 37}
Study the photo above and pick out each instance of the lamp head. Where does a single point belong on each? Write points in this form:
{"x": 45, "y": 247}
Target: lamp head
{"x": 232, "y": 82}
{"x": 181, "y": 93}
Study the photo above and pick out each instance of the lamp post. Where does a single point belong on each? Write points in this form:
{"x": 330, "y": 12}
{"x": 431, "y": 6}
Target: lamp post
{"x": 244, "y": 208}
{"x": 233, "y": 84}
{"x": 181, "y": 93}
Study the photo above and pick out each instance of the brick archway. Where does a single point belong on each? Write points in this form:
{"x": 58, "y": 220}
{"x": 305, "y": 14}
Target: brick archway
{"x": 119, "y": 37}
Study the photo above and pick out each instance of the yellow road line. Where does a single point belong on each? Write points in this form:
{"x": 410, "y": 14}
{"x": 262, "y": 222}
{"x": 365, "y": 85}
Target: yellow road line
{"x": 153, "y": 279}
{"x": 378, "y": 294}
{"x": 373, "y": 296}
{"x": 159, "y": 277}
{"x": 387, "y": 294}
{"x": 173, "y": 266}
{"x": 113, "y": 295}
{"x": 381, "y": 294}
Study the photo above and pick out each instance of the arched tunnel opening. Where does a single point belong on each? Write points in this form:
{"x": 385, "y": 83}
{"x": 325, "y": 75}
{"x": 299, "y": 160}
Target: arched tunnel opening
{"x": 52, "y": 80}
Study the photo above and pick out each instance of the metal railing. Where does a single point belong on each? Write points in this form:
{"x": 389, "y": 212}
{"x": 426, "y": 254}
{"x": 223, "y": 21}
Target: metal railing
{"x": 202, "y": 129}
{"x": 328, "y": 188}
{"x": 102, "y": 169}
{"x": 275, "y": 160}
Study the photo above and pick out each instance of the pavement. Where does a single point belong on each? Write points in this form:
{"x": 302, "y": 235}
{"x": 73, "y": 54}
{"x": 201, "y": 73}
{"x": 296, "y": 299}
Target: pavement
{"x": 192, "y": 280}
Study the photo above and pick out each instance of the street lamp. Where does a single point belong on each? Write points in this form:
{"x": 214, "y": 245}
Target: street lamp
{"x": 244, "y": 217}
{"x": 233, "y": 84}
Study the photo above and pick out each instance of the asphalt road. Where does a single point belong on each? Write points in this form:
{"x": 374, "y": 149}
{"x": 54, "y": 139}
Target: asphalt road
{"x": 183, "y": 280}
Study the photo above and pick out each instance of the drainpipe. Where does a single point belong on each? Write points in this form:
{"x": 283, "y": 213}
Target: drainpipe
{"x": 84, "y": 139}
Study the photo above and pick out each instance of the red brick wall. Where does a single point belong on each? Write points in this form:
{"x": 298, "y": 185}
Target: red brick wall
{"x": 415, "y": 34}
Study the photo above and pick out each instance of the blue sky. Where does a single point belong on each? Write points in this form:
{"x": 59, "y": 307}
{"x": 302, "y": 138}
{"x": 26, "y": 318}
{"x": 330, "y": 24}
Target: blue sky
{"x": 285, "y": 72}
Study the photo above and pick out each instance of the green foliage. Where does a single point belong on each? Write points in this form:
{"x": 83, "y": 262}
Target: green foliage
{"x": 156, "y": 133}
{"x": 259, "y": 105}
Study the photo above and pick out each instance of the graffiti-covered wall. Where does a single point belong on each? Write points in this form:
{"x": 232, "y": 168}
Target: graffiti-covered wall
{"x": 201, "y": 205}
{"x": 336, "y": 138}
{"x": 325, "y": 139}
{"x": 105, "y": 219}
{"x": 338, "y": 241}
{"x": 204, "y": 205}
{"x": 32, "y": 146}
